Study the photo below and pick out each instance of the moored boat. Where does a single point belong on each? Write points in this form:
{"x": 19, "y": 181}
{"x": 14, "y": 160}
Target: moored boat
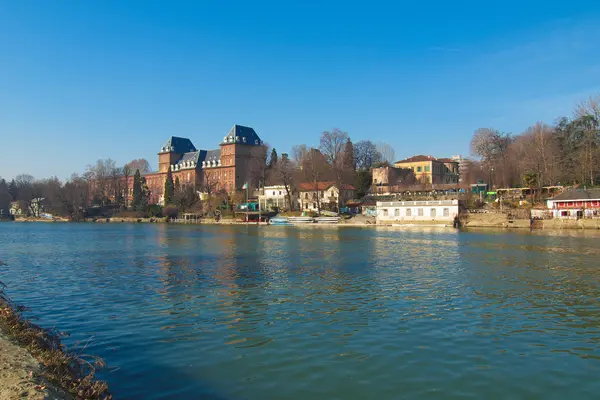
{"x": 301, "y": 220}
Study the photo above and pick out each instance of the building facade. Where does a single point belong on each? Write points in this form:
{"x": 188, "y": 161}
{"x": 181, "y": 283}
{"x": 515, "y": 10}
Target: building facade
{"x": 431, "y": 170}
{"x": 391, "y": 179}
{"x": 576, "y": 204}
{"x": 402, "y": 211}
{"x": 271, "y": 197}
{"x": 323, "y": 194}
{"x": 227, "y": 168}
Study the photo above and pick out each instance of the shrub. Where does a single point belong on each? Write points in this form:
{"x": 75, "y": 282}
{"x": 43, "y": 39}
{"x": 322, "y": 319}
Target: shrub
{"x": 170, "y": 211}
{"x": 155, "y": 210}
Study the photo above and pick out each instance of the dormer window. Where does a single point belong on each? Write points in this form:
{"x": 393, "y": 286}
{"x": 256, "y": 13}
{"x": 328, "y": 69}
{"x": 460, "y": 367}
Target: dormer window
{"x": 244, "y": 139}
{"x": 237, "y": 138}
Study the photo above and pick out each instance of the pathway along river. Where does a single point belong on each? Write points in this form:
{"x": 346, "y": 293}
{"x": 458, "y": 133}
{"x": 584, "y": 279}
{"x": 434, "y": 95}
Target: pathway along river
{"x": 246, "y": 312}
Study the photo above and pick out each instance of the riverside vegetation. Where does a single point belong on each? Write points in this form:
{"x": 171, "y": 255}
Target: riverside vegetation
{"x": 67, "y": 372}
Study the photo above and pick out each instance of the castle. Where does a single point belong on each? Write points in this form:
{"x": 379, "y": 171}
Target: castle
{"x": 227, "y": 168}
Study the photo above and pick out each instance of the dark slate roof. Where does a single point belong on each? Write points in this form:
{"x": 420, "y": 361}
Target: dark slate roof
{"x": 178, "y": 145}
{"x": 210, "y": 155}
{"x": 578, "y": 195}
{"x": 191, "y": 156}
{"x": 243, "y": 135}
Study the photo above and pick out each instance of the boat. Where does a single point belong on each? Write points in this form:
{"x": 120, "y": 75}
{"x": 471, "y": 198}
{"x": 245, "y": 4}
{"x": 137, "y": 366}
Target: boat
{"x": 279, "y": 221}
{"x": 301, "y": 220}
{"x": 327, "y": 220}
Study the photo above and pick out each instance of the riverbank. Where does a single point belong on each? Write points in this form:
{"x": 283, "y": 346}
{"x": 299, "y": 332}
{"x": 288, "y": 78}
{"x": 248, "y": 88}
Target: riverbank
{"x": 487, "y": 220}
{"x": 34, "y": 364}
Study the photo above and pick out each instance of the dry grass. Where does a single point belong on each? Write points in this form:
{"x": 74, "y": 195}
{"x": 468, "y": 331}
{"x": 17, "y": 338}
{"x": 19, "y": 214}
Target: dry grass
{"x": 69, "y": 368}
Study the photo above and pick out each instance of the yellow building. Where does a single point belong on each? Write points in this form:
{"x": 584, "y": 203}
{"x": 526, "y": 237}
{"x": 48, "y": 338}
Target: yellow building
{"x": 431, "y": 170}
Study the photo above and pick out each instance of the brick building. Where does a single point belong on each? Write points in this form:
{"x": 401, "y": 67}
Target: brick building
{"x": 226, "y": 168}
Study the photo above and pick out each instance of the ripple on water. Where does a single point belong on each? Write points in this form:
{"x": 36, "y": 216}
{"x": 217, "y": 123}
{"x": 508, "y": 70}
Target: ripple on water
{"x": 275, "y": 312}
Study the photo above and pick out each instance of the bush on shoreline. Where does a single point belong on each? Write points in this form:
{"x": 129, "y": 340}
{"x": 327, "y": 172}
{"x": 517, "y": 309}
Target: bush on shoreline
{"x": 70, "y": 369}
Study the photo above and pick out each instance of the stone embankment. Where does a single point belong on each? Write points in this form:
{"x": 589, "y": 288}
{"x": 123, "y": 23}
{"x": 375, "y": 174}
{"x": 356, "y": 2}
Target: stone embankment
{"x": 501, "y": 220}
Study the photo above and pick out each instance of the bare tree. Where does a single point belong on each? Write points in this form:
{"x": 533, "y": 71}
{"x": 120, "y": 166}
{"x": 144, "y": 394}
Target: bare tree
{"x": 333, "y": 147}
{"x": 387, "y": 152}
{"x": 284, "y": 175}
{"x": 140, "y": 163}
{"x": 258, "y": 167}
{"x": 299, "y": 153}
{"x": 315, "y": 169}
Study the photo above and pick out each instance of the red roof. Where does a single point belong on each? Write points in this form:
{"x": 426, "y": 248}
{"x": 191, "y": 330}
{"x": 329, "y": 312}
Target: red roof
{"x": 310, "y": 186}
{"x": 425, "y": 158}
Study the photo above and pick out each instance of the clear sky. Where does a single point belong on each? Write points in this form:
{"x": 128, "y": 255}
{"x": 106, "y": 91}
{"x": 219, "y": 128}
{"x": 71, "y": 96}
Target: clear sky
{"x": 83, "y": 80}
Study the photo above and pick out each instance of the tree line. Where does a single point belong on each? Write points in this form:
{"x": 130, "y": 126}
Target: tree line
{"x": 565, "y": 153}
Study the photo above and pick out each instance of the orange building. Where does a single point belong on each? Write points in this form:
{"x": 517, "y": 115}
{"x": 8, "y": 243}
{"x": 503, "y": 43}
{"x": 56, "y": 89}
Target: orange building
{"x": 226, "y": 168}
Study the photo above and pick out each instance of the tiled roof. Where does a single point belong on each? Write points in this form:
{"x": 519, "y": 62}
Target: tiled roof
{"x": 242, "y": 135}
{"x": 178, "y": 145}
{"x": 416, "y": 159}
{"x": 310, "y": 186}
{"x": 425, "y": 158}
{"x": 578, "y": 195}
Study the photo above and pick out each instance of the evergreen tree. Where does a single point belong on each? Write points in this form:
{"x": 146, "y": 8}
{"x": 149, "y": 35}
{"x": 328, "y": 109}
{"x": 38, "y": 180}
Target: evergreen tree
{"x": 13, "y": 189}
{"x": 137, "y": 190}
{"x": 169, "y": 187}
{"x": 273, "y": 159}
{"x": 349, "y": 159}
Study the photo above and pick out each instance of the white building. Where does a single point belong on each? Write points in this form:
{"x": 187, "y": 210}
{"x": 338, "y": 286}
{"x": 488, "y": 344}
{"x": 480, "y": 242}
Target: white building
{"x": 431, "y": 210}
{"x": 271, "y": 197}
{"x": 325, "y": 194}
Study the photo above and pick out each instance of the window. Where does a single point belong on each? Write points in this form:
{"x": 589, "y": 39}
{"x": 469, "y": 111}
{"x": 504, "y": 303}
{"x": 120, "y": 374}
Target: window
{"x": 427, "y": 168}
{"x": 397, "y": 212}
{"x": 418, "y": 169}
{"x": 280, "y": 192}
{"x": 273, "y": 193}
{"x": 420, "y": 212}
{"x": 315, "y": 205}
{"x": 432, "y": 212}
{"x": 446, "y": 212}
{"x": 322, "y": 194}
{"x": 564, "y": 213}
{"x": 408, "y": 212}
{"x": 306, "y": 196}
{"x": 385, "y": 212}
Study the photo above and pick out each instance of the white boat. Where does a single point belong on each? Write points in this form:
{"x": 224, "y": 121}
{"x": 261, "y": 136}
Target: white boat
{"x": 327, "y": 220}
{"x": 301, "y": 220}
{"x": 279, "y": 221}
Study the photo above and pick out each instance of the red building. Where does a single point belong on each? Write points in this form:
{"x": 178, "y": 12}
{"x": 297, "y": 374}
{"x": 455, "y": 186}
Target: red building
{"x": 226, "y": 168}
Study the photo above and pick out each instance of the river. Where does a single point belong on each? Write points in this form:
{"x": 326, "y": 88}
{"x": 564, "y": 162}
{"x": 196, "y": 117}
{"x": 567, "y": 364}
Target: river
{"x": 247, "y": 312}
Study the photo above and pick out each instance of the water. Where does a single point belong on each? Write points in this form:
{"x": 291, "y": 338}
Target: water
{"x": 237, "y": 312}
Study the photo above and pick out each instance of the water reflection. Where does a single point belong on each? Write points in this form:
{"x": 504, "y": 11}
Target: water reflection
{"x": 318, "y": 312}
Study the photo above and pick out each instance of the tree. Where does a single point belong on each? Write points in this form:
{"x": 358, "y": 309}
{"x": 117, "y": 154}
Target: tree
{"x": 387, "y": 152}
{"x": 315, "y": 169}
{"x": 140, "y": 192}
{"x": 169, "y": 187}
{"x": 257, "y": 166}
{"x": 364, "y": 177}
{"x": 5, "y": 199}
{"x": 273, "y": 159}
{"x": 13, "y": 190}
{"x": 142, "y": 164}
{"x": 366, "y": 155}
{"x": 492, "y": 147}
{"x": 333, "y": 147}
{"x": 126, "y": 175}
{"x": 284, "y": 175}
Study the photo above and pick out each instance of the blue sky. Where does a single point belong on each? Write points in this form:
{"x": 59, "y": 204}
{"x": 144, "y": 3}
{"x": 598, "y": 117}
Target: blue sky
{"x": 83, "y": 80}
